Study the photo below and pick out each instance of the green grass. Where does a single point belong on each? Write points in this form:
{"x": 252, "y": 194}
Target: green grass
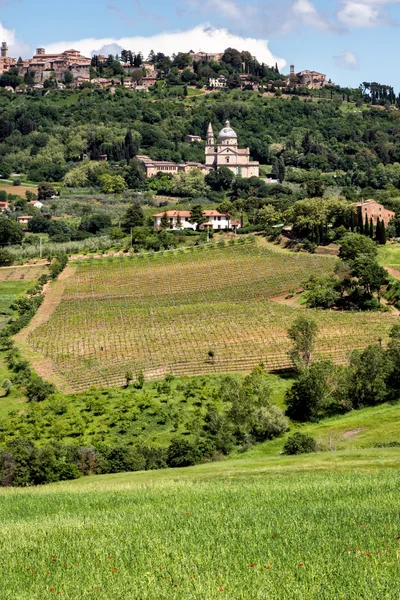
{"x": 305, "y": 528}
{"x": 389, "y": 255}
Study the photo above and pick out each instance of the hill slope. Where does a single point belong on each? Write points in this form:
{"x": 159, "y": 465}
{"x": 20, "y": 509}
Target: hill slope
{"x": 186, "y": 313}
{"x": 309, "y": 528}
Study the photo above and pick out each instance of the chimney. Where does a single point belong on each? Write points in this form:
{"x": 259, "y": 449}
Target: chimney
{"x": 4, "y": 50}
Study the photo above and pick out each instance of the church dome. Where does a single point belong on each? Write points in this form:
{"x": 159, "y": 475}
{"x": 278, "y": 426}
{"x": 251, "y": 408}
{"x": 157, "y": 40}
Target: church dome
{"x": 227, "y": 132}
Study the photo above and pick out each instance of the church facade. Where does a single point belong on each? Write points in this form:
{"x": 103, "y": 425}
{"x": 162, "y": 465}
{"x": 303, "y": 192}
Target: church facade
{"x": 228, "y": 154}
{"x": 225, "y": 154}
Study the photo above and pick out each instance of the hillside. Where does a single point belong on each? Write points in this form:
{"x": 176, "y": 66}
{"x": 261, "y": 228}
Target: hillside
{"x": 322, "y": 526}
{"x": 211, "y": 310}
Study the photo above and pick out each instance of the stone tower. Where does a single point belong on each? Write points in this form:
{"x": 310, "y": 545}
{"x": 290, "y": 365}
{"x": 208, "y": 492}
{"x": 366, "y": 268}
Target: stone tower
{"x": 4, "y": 50}
{"x": 210, "y": 147}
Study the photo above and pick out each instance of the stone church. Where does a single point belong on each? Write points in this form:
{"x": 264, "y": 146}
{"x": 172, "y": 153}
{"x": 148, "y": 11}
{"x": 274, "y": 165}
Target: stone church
{"x": 228, "y": 154}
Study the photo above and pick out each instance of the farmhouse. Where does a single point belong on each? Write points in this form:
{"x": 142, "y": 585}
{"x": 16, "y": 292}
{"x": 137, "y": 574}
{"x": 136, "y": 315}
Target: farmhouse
{"x": 307, "y": 78}
{"x": 180, "y": 219}
{"x": 24, "y": 220}
{"x": 152, "y": 167}
{"x": 4, "y": 206}
{"x": 373, "y": 210}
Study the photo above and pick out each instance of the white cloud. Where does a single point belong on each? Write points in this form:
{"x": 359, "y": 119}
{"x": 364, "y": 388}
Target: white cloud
{"x": 16, "y": 46}
{"x": 347, "y": 60}
{"x": 359, "y": 14}
{"x": 202, "y": 37}
{"x": 365, "y": 13}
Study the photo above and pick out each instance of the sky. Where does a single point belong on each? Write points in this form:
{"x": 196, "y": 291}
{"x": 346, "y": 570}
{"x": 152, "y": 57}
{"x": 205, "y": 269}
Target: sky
{"x": 350, "y": 40}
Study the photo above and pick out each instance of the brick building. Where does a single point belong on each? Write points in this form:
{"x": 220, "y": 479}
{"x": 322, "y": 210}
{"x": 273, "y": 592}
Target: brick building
{"x": 373, "y": 210}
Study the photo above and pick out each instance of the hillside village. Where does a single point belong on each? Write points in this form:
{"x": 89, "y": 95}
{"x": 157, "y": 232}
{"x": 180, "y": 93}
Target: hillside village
{"x": 70, "y": 68}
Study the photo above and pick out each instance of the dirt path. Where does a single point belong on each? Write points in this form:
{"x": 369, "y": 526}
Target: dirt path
{"x": 53, "y": 293}
{"x": 393, "y": 272}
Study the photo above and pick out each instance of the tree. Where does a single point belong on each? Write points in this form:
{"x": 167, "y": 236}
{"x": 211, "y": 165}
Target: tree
{"x": 112, "y": 184}
{"x": 7, "y": 386}
{"x": 197, "y": 216}
{"x": 134, "y": 217}
{"x": 38, "y": 390}
{"x": 299, "y": 443}
{"x": 303, "y": 333}
{"x": 368, "y": 373}
{"x": 10, "y": 231}
{"x": 354, "y": 244}
{"x": 164, "y": 224}
{"x": 96, "y": 222}
{"x": 268, "y": 216}
{"x": 45, "y": 191}
{"x": 68, "y": 78}
{"x": 315, "y": 188}
{"x": 220, "y": 179}
{"x": 315, "y": 393}
{"x": 130, "y": 146}
{"x": 371, "y": 276}
{"x": 6, "y": 258}
{"x": 281, "y": 170}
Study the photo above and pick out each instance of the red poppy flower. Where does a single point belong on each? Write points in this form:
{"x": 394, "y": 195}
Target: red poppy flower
{"x": 301, "y": 564}
{"x": 267, "y": 567}
{"x": 187, "y": 513}
{"x": 52, "y": 589}
{"x": 114, "y": 569}
{"x": 54, "y": 559}
{"x": 110, "y": 558}
{"x": 367, "y": 554}
{"x": 363, "y": 526}
{"x": 221, "y": 589}
{"x": 252, "y": 565}
{"x": 397, "y": 537}
{"x": 175, "y": 585}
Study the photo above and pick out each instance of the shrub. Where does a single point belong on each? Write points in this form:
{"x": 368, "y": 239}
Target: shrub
{"x": 299, "y": 443}
{"x": 38, "y": 389}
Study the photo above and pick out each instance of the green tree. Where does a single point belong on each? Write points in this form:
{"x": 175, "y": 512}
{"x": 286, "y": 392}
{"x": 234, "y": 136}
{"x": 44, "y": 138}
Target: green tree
{"x": 112, "y": 184}
{"x": 220, "y": 179}
{"x": 315, "y": 394}
{"x": 164, "y": 224}
{"x": 367, "y": 377}
{"x": 197, "y": 216}
{"x": 45, "y": 191}
{"x": 10, "y": 231}
{"x": 354, "y": 244}
{"x": 68, "y": 78}
{"x": 134, "y": 217}
{"x": 303, "y": 333}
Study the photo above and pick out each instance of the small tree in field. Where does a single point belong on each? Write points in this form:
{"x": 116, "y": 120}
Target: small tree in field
{"x": 303, "y": 333}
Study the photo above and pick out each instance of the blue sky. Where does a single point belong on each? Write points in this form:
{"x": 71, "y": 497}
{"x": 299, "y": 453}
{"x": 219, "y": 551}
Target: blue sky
{"x": 349, "y": 40}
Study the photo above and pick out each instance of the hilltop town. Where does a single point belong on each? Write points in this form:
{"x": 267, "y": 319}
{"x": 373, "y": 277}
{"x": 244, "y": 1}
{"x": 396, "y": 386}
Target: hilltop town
{"x": 208, "y": 70}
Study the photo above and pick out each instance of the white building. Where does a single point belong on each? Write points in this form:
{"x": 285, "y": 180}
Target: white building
{"x": 217, "y": 82}
{"x": 180, "y": 219}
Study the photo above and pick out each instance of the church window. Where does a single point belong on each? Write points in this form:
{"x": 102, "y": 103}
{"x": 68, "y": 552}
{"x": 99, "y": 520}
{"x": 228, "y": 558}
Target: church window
{"x": 227, "y": 159}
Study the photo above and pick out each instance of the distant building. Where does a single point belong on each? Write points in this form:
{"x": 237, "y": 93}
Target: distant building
{"x": 6, "y": 63}
{"x": 46, "y": 65}
{"x": 218, "y": 83}
{"x": 36, "y": 204}
{"x": 180, "y": 219}
{"x": 192, "y": 139}
{"x": 24, "y": 220}
{"x": 4, "y": 206}
{"x": 228, "y": 154}
{"x": 373, "y": 210}
{"x": 307, "y": 78}
{"x": 206, "y": 56}
{"x": 152, "y": 167}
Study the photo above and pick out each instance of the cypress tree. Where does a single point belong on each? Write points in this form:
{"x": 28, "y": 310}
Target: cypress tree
{"x": 360, "y": 223}
{"x": 382, "y": 239}
{"x": 371, "y": 229}
{"x": 366, "y": 225}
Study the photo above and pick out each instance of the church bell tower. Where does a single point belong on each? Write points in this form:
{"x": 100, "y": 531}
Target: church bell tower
{"x": 210, "y": 147}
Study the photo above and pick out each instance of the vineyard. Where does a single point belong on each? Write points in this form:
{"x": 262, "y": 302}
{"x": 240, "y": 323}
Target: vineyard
{"x": 207, "y": 310}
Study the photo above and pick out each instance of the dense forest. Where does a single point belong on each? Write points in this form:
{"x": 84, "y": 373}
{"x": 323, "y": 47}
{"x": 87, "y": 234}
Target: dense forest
{"x": 46, "y": 137}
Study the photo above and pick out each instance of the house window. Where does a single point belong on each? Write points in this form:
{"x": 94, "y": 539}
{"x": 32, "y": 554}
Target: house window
{"x": 227, "y": 159}
{"x": 219, "y": 218}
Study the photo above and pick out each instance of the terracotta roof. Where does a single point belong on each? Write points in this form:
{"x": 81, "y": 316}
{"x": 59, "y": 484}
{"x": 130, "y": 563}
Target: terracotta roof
{"x": 187, "y": 213}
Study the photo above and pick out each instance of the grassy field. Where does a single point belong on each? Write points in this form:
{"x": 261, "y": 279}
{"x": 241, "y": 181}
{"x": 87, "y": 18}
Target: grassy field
{"x": 324, "y": 526}
{"x": 18, "y": 190}
{"x": 167, "y": 312}
{"x": 389, "y": 255}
